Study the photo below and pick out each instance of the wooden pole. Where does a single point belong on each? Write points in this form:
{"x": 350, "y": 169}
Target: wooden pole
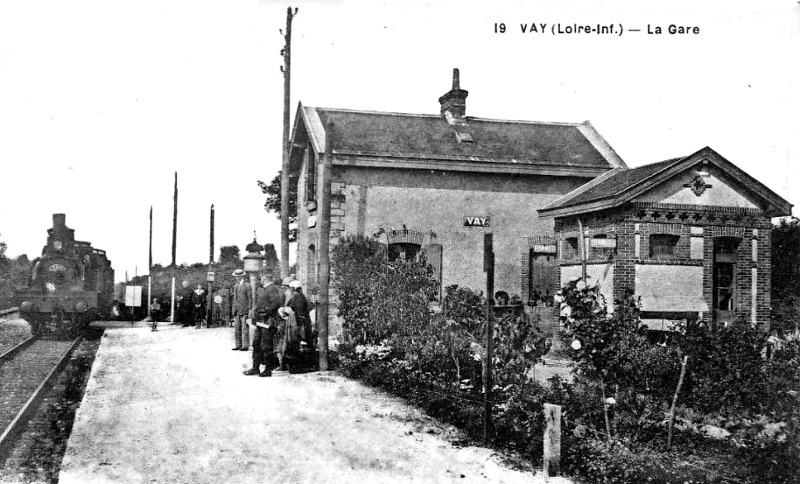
{"x": 323, "y": 310}
{"x": 210, "y": 298}
{"x": 488, "y": 267}
{"x": 174, "y": 242}
{"x": 174, "y": 221}
{"x": 582, "y": 241}
{"x": 675, "y": 400}
{"x": 172, "y": 302}
{"x": 150, "y": 267}
{"x": 286, "y": 69}
{"x": 551, "y": 462}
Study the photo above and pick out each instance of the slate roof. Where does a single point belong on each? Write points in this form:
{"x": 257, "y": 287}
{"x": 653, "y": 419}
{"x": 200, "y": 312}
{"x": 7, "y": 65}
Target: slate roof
{"x": 431, "y": 138}
{"x": 622, "y": 184}
{"x": 612, "y": 184}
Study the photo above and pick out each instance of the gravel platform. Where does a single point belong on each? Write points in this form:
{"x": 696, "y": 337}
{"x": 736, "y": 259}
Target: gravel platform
{"x": 172, "y": 406}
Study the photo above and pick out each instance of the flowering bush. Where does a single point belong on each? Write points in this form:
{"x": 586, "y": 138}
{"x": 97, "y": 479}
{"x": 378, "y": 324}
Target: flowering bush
{"x": 378, "y": 352}
{"x": 435, "y": 358}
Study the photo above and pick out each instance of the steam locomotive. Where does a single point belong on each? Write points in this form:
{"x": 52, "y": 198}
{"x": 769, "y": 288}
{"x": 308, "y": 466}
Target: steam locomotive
{"x": 71, "y": 284}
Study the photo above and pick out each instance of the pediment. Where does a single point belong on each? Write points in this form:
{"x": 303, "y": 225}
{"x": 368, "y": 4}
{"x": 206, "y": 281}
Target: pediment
{"x": 703, "y": 184}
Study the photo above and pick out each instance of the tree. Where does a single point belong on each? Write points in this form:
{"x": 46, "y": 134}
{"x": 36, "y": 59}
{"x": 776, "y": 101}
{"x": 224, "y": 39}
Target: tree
{"x": 4, "y": 262}
{"x": 786, "y": 274}
{"x": 271, "y": 261}
{"x": 273, "y": 201}
{"x": 229, "y": 254}
{"x": 14, "y": 275}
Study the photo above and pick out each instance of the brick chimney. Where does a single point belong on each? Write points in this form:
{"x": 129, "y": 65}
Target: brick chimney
{"x": 454, "y": 103}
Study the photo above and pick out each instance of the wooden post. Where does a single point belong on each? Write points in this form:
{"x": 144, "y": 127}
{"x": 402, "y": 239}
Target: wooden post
{"x": 675, "y": 400}
{"x": 150, "y": 267}
{"x": 584, "y": 251}
{"x": 488, "y": 267}
{"x": 551, "y": 463}
{"x": 324, "y": 275}
{"x": 286, "y": 69}
{"x": 172, "y": 303}
{"x": 174, "y": 222}
{"x": 210, "y": 298}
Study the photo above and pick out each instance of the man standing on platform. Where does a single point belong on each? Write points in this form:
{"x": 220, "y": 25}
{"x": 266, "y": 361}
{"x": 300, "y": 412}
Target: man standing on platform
{"x": 268, "y": 300}
{"x": 242, "y": 301}
{"x": 187, "y": 307}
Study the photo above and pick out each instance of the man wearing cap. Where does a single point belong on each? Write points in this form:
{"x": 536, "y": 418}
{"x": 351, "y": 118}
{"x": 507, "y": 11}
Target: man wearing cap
{"x": 242, "y": 301}
{"x": 268, "y": 300}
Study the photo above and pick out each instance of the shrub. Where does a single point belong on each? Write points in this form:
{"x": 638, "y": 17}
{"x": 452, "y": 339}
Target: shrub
{"x": 434, "y": 358}
{"x": 726, "y": 369}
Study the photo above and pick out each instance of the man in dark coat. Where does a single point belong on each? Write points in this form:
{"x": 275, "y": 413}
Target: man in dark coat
{"x": 187, "y": 307}
{"x": 199, "y": 305}
{"x": 268, "y": 300}
{"x": 242, "y": 302}
{"x": 299, "y": 304}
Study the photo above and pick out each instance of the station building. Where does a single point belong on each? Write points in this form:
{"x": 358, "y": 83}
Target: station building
{"x": 439, "y": 182}
{"x": 688, "y": 236}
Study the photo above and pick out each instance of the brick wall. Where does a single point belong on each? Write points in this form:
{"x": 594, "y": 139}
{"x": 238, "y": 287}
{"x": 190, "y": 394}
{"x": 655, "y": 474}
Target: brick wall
{"x": 686, "y": 222}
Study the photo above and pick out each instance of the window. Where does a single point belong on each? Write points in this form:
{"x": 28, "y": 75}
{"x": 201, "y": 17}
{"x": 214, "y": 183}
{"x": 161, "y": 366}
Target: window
{"x": 543, "y": 278}
{"x": 403, "y": 250}
{"x": 433, "y": 253}
{"x": 570, "y": 248}
{"x": 602, "y": 247}
{"x": 724, "y": 286}
{"x": 311, "y": 267}
{"x": 724, "y": 282}
{"x": 662, "y": 246}
{"x": 311, "y": 179}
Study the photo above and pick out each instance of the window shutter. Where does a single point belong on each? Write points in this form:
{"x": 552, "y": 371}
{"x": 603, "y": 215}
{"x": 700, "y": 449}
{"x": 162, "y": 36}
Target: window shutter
{"x": 433, "y": 252}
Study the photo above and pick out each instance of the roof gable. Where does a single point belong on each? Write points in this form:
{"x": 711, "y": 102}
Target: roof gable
{"x": 706, "y": 185}
{"x": 659, "y": 182}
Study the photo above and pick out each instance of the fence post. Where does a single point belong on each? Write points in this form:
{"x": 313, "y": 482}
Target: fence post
{"x": 551, "y": 463}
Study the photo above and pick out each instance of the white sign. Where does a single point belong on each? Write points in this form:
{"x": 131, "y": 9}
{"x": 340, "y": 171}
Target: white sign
{"x": 603, "y": 243}
{"x": 476, "y": 221}
{"x": 133, "y": 296}
{"x": 544, "y": 249}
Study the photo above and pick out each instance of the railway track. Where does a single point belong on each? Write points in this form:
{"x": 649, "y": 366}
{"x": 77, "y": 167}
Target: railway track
{"x": 26, "y": 373}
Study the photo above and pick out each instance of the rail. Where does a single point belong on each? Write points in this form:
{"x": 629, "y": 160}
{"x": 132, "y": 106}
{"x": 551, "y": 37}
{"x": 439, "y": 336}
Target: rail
{"x": 22, "y": 417}
{"x": 8, "y": 354}
{"x": 3, "y": 312}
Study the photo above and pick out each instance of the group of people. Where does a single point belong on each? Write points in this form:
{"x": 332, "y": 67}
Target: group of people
{"x": 280, "y": 322}
{"x": 190, "y": 310}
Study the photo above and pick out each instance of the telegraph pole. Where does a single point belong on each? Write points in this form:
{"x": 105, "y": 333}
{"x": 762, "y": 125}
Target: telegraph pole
{"x": 210, "y": 298}
{"x": 150, "y": 267}
{"x": 286, "y": 69}
{"x": 324, "y": 248}
{"x": 174, "y": 245}
{"x": 174, "y": 222}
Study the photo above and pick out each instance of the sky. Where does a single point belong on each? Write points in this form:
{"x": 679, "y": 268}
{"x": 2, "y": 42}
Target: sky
{"x": 102, "y": 102}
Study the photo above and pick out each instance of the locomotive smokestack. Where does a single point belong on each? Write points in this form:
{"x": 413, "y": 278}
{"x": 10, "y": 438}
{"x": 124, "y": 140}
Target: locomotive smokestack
{"x": 59, "y": 220}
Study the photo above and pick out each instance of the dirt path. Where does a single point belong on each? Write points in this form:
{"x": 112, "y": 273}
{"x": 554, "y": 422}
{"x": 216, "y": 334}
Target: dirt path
{"x": 174, "y": 407}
